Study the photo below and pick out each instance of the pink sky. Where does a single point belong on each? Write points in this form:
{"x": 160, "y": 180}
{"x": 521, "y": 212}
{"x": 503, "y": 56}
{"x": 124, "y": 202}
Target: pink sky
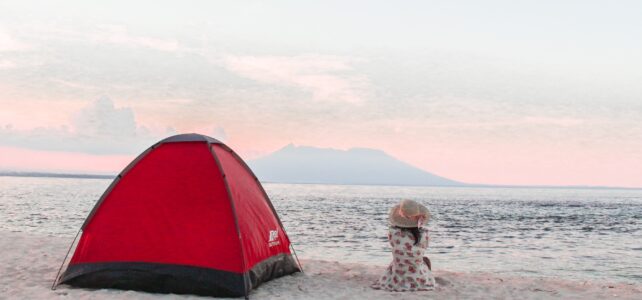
{"x": 483, "y": 165}
{"x": 534, "y": 160}
{"x": 61, "y": 162}
{"x": 461, "y": 91}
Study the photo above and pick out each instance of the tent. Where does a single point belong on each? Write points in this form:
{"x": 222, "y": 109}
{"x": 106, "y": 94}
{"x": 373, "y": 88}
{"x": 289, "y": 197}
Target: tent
{"x": 187, "y": 216}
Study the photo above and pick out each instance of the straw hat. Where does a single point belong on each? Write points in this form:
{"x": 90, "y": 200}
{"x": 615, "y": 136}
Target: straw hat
{"x": 407, "y": 213}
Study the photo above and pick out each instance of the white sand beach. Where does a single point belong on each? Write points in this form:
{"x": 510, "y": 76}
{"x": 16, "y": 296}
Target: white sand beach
{"x": 29, "y": 263}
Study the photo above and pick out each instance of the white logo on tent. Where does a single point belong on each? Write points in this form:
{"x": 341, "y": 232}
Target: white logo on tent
{"x": 273, "y": 239}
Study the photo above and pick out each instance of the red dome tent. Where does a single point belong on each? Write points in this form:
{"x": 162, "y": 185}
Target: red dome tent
{"x": 188, "y": 217}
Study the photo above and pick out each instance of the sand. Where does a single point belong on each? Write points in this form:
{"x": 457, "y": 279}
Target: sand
{"x": 29, "y": 262}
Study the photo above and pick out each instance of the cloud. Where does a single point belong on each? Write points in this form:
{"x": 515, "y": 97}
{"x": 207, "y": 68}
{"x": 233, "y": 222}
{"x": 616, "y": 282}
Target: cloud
{"x": 99, "y": 128}
{"x": 8, "y": 43}
{"x": 102, "y": 119}
{"x": 105, "y": 34}
{"x": 14, "y": 60}
{"x": 219, "y": 134}
{"x": 327, "y": 78}
{"x": 7, "y": 64}
{"x": 120, "y": 36}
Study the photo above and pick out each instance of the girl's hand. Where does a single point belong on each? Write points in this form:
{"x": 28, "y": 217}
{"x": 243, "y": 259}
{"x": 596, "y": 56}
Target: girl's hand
{"x": 400, "y": 212}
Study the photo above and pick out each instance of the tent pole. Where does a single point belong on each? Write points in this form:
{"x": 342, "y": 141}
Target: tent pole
{"x": 53, "y": 286}
{"x": 246, "y": 280}
{"x": 297, "y": 258}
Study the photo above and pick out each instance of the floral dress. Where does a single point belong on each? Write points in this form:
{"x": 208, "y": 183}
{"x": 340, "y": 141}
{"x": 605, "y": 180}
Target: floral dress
{"x": 407, "y": 271}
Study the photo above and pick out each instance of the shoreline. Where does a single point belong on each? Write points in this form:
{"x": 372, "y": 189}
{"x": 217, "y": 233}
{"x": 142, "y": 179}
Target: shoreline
{"x": 30, "y": 262}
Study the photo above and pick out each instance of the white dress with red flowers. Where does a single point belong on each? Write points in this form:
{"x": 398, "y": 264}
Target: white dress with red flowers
{"x": 407, "y": 271}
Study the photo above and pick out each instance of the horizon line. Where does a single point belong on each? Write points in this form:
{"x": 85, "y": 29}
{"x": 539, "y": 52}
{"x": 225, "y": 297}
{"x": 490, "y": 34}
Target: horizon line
{"x": 460, "y": 185}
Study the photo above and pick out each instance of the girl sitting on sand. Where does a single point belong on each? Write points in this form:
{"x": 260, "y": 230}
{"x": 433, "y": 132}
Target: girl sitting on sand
{"x": 409, "y": 269}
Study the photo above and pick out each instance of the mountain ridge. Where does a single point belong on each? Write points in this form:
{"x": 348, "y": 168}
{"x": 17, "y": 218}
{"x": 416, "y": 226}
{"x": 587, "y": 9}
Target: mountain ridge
{"x": 361, "y": 166}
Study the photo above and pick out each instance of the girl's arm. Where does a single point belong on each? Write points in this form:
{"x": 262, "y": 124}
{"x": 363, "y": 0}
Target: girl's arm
{"x": 425, "y": 239}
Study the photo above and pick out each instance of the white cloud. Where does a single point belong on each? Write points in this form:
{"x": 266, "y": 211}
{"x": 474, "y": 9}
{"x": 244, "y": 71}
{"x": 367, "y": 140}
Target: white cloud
{"x": 7, "y": 64}
{"x": 120, "y": 36}
{"x": 327, "y": 78}
{"x": 99, "y": 128}
{"x": 218, "y": 133}
{"x": 9, "y": 43}
{"x": 102, "y": 119}
{"x": 103, "y": 34}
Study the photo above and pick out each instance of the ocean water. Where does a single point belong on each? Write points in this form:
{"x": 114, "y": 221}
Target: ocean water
{"x": 576, "y": 234}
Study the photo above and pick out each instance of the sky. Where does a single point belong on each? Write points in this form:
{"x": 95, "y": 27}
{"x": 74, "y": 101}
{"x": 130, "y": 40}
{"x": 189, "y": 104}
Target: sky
{"x": 497, "y": 92}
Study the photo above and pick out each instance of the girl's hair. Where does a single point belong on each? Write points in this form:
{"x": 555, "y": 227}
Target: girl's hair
{"x": 416, "y": 233}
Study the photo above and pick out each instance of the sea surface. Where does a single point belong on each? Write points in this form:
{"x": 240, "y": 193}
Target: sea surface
{"x": 579, "y": 234}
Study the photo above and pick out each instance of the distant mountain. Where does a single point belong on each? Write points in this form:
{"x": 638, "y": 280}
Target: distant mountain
{"x": 299, "y": 164}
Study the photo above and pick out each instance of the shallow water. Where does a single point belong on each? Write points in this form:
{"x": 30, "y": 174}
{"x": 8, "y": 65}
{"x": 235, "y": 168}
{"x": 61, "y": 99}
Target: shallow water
{"x": 570, "y": 233}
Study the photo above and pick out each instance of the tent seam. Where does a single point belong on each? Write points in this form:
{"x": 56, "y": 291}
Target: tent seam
{"x": 238, "y": 229}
